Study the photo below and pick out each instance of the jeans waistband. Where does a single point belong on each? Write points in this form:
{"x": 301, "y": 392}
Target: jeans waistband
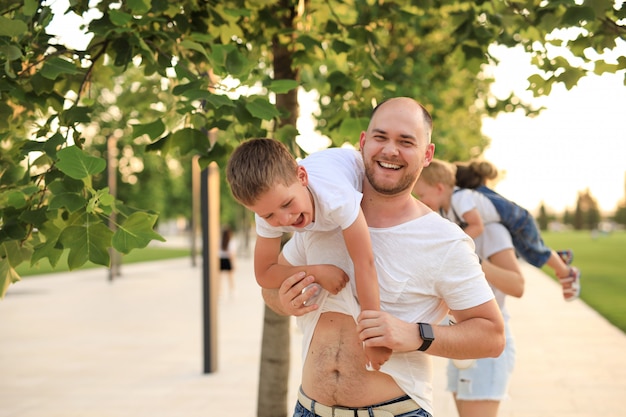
{"x": 395, "y": 407}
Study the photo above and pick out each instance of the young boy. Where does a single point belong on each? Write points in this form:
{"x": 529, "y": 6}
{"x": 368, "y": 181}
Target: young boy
{"x": 321, "y": 193}
{"x": 460, "y": 194}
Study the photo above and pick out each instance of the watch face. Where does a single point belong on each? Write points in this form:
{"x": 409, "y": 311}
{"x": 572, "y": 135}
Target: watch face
{"x": 426, "y": 332}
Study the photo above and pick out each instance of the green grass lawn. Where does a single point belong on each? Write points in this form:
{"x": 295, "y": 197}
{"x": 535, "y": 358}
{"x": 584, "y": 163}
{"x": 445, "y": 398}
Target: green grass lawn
{"x": 137, "y": 255}
{"x": 602, "y": 262}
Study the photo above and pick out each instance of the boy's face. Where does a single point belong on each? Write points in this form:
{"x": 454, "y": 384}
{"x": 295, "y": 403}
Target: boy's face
{"x": 287, "y": 205}
{"x": 431, "y": 195}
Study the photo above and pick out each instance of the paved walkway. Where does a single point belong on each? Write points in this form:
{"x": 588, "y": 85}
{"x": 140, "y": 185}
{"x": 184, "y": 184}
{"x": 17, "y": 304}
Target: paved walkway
{"x": 76, "y": 345}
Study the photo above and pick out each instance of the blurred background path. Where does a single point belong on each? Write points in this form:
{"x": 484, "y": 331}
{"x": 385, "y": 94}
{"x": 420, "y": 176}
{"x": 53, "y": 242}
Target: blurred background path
{"x": 73, "y": 344}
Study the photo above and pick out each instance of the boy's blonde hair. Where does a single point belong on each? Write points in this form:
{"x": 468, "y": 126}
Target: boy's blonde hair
{"x": 256, "y": 166}
{"x": 439, "y": 172}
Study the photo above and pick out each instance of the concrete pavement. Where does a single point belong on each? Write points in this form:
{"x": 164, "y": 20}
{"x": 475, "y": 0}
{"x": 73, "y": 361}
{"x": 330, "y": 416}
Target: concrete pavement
{"x": 73, "y": 344}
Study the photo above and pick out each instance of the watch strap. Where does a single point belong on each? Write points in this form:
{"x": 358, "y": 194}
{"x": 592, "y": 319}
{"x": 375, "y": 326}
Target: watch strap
{"x": 427, "y": 335}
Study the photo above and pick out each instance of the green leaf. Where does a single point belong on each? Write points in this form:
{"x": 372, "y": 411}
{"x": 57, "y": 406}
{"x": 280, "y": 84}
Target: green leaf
{"x": 194, "y": 46}
{"x": 87, "y": 243}
{"x": 30, "y": 7}
{"x": 261, "y": 108}
{"x": 153, "y": 130}
{"x": 308, "y": 42}
{"x": 47, "y": 250}
{"x": 11, "y": 52}
{"x": 77, "y": 164}
{"x": 340, "y": 82}
{"x": 187, "y": 141}
{"x": 217, "y": 101}
{"x": 602, "y": 66}
{"x": 340, "y": 46}
{"x": 139, "y": 7}
{"x": 123, "y": 51}
{"x": 283, "y": 86}
{"x": 55, "y": 67}
{"x": 53, "y": 144}
{"x": 10, "y": 27}
{"x": 12, "y": 198}
{"x": 286, "y": 133}
{"x": 74, "y": 115}
{"x": 235, "y": 63}
{"x": 14, "y": 252}
{"x": 102, "y": 198}
{"x": 197, "y": 94}
{"x": 119, "y": 18}
{"x": 49, "y": 232}
{"x": 573, "y": 16}
{"x": 136, "y": 232}
{"x": 351, "y": 128}
{"x": 8, "y": 276}
{"x": 71, "y": 201}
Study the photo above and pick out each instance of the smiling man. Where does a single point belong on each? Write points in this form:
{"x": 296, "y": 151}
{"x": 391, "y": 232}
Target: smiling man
{"x": 425, "y": 265}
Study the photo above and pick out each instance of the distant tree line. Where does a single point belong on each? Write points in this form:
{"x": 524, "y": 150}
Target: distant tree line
{"x": 586, "y": 215}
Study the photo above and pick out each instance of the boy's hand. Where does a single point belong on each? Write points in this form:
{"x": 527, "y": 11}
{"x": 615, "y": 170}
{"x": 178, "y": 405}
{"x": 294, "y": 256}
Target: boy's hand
{"x": 333, "y": 279}
{"x": 377, "y": 356}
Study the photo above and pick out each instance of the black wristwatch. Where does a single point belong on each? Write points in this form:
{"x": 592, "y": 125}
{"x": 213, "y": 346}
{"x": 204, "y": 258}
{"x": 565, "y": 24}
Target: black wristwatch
{"x": 427, "y": 335}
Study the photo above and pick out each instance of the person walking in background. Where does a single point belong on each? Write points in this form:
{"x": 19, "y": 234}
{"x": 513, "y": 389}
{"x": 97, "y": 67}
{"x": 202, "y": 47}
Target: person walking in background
{"x": 522, "y": 226}
{"x": 478, "y": 386}
{"x": 321, "y": 193}
{"x": 227, "y": 258}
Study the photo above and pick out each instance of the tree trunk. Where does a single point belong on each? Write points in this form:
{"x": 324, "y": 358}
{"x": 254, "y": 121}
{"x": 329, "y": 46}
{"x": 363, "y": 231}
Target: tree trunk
{"x": 274, "y": 370}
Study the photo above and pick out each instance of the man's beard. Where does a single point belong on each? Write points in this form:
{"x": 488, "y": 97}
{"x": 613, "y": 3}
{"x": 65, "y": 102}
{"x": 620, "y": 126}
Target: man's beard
{"x": 407, "y": 181}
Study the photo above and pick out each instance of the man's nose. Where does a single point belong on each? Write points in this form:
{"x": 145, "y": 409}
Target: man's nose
{"x": 391, "y": 148}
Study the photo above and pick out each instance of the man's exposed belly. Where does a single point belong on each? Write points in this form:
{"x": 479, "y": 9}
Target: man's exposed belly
{"x": 334, "y": 370}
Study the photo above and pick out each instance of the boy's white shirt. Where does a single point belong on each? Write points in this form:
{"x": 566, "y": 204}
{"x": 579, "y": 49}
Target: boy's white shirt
{"x": 466, "y": 199}
{"x": 335, "y": 181}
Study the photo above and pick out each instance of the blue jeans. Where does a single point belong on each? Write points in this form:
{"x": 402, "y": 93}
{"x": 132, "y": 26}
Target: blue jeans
{"x": 520, "y": 223}
{"x": 300, "y": 411}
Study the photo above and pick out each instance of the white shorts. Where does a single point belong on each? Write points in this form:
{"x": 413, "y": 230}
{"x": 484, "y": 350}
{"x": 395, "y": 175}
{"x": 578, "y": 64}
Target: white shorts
{"x": 494, "y": 238}
{"x": 487, "y": 379}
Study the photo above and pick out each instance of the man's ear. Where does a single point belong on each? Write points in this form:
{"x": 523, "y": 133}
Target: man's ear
{"x": 430, "y": 154}
{"x": 302, "y": 175}
{"x": 362, "y": 140}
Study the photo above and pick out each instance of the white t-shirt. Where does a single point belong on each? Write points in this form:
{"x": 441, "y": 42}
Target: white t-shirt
{"x": 465, "y": 199}
{"x": 423, "y": 266}
{"x": 335, "y": 182}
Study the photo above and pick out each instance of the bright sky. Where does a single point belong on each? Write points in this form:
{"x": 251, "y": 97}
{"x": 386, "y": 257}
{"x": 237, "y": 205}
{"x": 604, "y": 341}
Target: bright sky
{"x": 578, "y": 142}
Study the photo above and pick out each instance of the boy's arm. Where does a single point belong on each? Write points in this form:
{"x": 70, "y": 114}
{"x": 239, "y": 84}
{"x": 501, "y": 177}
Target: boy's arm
{"x": 270, "y": 274}
{"x": 359, "y": 245}
{"x": 474, "y": 222}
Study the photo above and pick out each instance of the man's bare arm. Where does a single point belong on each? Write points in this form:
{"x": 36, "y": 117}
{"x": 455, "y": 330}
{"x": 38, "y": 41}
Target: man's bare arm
{"x": 479, "y": 333}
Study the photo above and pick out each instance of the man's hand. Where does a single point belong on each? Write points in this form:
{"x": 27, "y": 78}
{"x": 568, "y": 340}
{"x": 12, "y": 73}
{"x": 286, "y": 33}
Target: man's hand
{"x": 381, "y": 329}
{"x": 292, "y": 299}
